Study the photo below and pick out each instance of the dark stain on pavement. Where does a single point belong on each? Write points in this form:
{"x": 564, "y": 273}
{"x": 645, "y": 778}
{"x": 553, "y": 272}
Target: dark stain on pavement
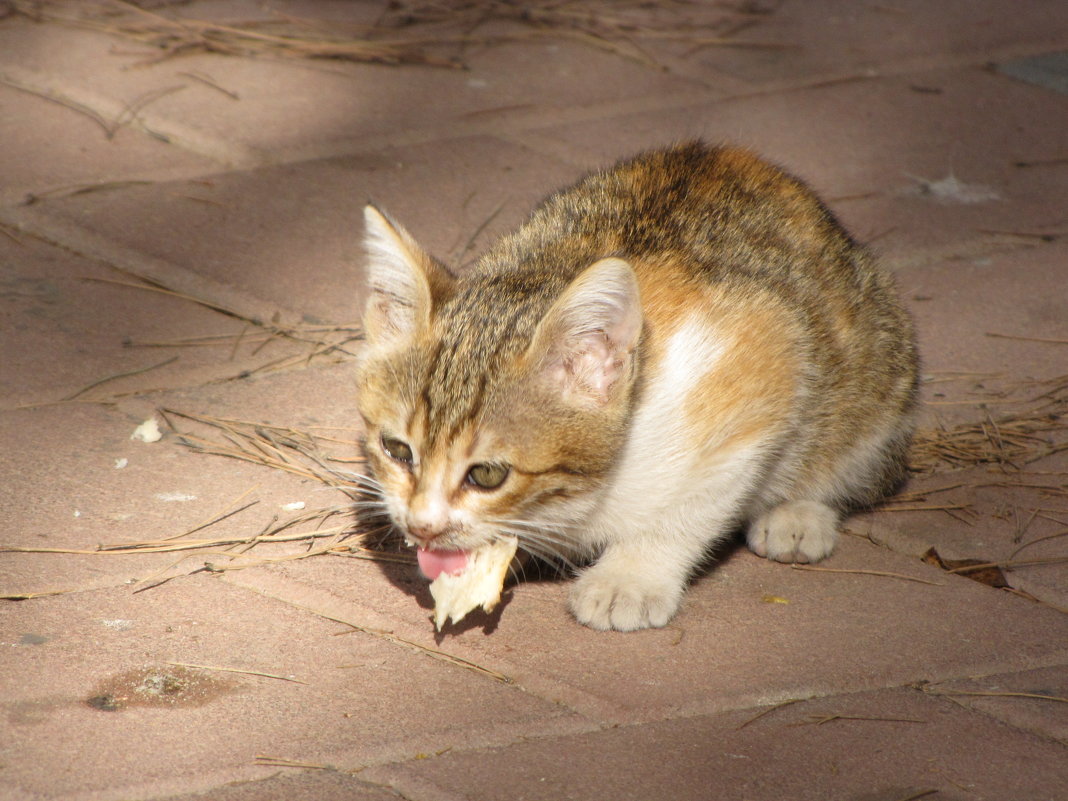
{"x": 158, "y": 686}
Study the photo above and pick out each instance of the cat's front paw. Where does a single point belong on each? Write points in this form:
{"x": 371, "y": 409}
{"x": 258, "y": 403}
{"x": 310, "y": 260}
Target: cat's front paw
{"x": 796, "y": 531}
{"x": 606, "y": 597}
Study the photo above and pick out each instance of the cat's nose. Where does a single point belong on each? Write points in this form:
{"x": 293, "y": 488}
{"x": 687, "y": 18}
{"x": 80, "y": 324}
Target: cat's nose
{"x": 423, "y": 534}
{"x": 427, "y": 516}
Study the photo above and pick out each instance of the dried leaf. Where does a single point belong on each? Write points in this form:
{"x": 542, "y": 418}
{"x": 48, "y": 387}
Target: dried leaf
{"x": 984, "y": 572}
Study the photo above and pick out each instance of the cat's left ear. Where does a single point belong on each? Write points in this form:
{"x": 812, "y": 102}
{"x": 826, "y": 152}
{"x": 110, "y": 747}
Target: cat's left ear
{"x": 585, "y": 343}
{"x": 404, "y": 282}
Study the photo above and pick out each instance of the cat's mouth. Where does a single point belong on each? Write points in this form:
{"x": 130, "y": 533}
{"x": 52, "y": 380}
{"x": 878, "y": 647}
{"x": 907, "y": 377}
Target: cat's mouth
{"x": 433, "y": 563}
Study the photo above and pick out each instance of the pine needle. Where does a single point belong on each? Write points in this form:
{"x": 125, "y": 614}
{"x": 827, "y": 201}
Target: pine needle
{"x": 883, "y": 573}
{"x": 996, "y": 694}
{"x": 237, "y": 670}
{"x": 769, "y": 710}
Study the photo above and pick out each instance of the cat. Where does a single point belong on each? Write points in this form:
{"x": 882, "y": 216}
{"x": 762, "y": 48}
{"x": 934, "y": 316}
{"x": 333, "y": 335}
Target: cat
{"x": 668, "y": 350}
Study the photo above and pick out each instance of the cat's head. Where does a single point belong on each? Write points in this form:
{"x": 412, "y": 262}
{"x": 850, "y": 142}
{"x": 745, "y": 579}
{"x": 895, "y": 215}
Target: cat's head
{"x": 494, "y": 403}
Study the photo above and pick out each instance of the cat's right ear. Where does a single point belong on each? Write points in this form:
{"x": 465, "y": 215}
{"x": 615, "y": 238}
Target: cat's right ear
{"x": 586, "y": 342}
{"x": 403, "y": 281}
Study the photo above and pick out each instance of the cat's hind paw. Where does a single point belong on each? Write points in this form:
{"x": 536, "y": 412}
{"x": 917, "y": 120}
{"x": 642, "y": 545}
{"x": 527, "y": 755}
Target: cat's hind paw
{"x": 796, "y": 531}
{"x": 604, "y": 598}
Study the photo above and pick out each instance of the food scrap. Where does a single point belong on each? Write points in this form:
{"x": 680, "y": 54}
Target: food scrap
{"x": 462, "y": 584}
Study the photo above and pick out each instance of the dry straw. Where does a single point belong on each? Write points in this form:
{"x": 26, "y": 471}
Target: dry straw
{"x": 428, "y": 33}
{"x": 358, "y": 530}
{"x": 1034, "y": 427}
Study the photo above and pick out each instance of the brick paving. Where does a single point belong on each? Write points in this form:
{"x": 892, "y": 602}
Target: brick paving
{"x": 934, "y": 130}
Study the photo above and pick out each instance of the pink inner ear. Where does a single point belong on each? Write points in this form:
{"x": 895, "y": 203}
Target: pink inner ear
{"x": 589, "y": 365}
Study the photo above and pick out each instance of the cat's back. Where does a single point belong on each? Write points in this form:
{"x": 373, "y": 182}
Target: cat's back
{"x": 719, "y": 211}
{"x": 706, "y": 227}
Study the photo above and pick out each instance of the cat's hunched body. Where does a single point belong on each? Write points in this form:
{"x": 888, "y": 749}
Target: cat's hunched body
{"x": 672, "y": 348}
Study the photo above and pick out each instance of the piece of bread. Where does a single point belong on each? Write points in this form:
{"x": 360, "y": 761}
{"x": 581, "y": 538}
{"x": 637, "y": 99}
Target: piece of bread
{"x": 478, "y": 584}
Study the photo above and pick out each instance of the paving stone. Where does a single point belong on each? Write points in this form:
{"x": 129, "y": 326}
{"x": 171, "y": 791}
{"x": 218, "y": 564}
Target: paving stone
{"x": 1017, "y": 699}
{"x": 829, "y": 40}
{"x": 51, "y": 150}
{"x": 953, "y": 172}
{"x": 985, "y": 517}
{"x": 320, "y": 400}
{"x": 286, "y": 110}
{"x": 978, "y": 315}
{"x": 69, "y": 323}
{"x": 974, "y": 378}
{"x": 910, "y": 163}
{"x": 1048, "y": 69}
{"x": 293, "y": 234}
{"x": 882, "y": 746}
{"x": 183, "y": 729}
{"x": 318, "y": 785}
{"x": 62, "y": 486}
{"x": 802, "y": 633}
{"x": 72, "y": 479}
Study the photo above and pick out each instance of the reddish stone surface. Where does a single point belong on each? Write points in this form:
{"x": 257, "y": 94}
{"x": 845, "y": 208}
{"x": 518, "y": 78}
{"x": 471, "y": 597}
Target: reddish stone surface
{"x": 913, "y": 682}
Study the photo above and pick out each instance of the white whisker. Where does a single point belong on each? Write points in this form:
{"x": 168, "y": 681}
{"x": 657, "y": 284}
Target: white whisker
{"x": 544, "y": 546}
{"x": 357, "y": 478}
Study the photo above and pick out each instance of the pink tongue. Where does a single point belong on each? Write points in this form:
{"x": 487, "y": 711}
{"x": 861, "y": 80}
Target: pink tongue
{"x": 434, "y": 563}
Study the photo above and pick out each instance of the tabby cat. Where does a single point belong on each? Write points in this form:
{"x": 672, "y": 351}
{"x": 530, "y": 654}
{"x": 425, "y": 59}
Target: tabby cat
{"x": 668, "y": 350}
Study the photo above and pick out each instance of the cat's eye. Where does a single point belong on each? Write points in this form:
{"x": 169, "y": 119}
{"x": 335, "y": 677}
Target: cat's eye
{"x": 397, "y": 450}
{"x": 488, "y": 476}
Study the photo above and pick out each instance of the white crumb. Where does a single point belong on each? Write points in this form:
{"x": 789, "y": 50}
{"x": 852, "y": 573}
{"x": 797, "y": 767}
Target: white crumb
{"x": 121, "y": 463}
{"x": 118, "y": 624}
{"x": 148, "y": 431}
{"x": 295, "y": 506}
{"x": 953, "y": 190}
{"x": 172, "y": 497}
